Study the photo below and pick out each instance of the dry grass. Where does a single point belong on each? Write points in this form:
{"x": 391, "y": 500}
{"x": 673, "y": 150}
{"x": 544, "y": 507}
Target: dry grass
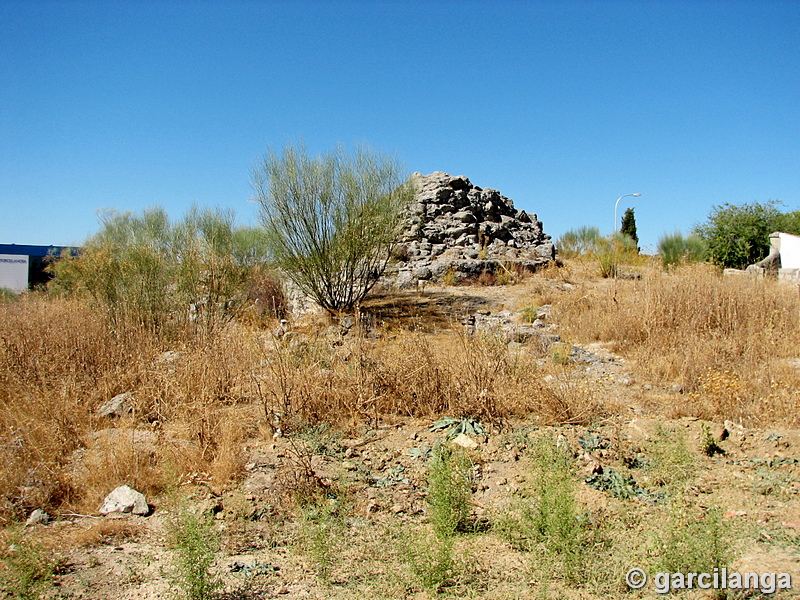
{"x": 197, "y": 398}
{"x": 730, "y": 343}
{"x": 415, "y": 375}
{"x": 725, "y": 340}
{"x": 60, "y": 361}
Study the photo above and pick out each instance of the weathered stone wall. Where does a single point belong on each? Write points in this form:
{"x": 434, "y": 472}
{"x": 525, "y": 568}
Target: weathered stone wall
{"x": 453, "y": 225}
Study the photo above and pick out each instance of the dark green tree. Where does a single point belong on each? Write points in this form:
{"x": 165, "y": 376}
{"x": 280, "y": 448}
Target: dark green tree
{"x": 629, "y": 225}
{"x": 738, "y": 235}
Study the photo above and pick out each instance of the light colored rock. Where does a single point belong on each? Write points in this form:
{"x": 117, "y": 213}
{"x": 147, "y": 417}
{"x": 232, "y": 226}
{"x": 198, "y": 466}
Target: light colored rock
{"x": 125, "y": 499}
{"x": 37, "y": 517}
{"x": 119, "y": 406}
{"x": 463, "y": 440}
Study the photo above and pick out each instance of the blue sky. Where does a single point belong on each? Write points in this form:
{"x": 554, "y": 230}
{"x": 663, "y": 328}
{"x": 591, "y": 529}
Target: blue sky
{"x": 562, "y": 106}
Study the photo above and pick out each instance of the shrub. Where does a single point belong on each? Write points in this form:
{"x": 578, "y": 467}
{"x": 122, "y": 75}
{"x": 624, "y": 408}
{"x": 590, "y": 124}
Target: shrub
{"x": 146, "y": 270}
{"x": 674, "y": 249}
{"x": 331, "y": 221}
{"x": 738, "y": 236}
{"x": 450, "y": 490}
{"x": 612, "y": 251}
{"x": 578, "y": 242}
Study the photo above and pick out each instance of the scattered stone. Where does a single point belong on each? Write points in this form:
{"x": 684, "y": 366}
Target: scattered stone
{"x": 125, "y": 499}
{"x": 37, "y": 517}
{"x": 463, "y": 440}
{"x": 119, "y": 406}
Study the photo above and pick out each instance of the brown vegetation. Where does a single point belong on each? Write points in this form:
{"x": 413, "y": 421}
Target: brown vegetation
{"x": 729, "y": 342}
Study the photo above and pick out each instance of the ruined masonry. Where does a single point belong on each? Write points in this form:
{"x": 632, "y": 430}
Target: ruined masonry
{"x": 455, "y": 226}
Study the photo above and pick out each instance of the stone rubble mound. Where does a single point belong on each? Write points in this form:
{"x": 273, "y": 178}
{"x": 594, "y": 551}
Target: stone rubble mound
{"x": 452, "y": 225}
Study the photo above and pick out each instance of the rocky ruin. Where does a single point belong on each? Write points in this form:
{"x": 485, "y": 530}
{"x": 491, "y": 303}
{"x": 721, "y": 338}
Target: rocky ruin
{"x": 455, "y": 227}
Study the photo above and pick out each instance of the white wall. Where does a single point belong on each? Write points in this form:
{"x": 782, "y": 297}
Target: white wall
{"x": 790, "y": 251}
{"x": 14, "y": 272}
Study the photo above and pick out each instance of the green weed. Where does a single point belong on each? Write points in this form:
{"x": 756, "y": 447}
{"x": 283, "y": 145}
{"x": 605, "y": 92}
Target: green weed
{"x": 321, "y": 526}
{"x": 672, "y": 463}
{"x": 26, "y": 570}
{"x": 549, "y": 522}
{"x": 449, "y": 490}
{"x": 694, "y": 541}
{"x": 195, "y": 544}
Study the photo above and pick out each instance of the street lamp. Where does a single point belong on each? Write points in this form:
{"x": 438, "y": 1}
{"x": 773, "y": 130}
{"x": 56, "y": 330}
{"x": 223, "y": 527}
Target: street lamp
{"x": 617, "y": 204}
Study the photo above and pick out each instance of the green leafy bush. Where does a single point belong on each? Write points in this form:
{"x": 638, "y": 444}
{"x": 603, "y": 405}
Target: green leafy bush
{"x": 738, "y": 235}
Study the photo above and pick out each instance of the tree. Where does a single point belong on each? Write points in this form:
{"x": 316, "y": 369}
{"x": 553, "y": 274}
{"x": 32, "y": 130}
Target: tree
{"x": 629, "y": 226}
{"x": 331, "y": 221}
{"x": 738, "y": 236}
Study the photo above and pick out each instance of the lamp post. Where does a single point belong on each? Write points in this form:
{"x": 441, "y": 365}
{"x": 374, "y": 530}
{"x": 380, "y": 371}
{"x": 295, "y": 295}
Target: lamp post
{"x": 617, "y": 204}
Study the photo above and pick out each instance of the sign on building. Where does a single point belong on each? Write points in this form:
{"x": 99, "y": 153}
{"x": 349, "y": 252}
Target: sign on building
{"x": 14, "y": 272}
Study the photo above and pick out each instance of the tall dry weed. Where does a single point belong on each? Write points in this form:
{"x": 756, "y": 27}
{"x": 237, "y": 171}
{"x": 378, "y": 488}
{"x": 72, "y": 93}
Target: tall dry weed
{"x": 725, "y": 340}
{"x": 60, "y": 361}
{"x": 414, "y": 374}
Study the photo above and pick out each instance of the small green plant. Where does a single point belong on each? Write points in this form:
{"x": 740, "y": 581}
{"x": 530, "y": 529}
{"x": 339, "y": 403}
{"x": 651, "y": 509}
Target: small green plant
{"x": 321, "y": 525}
{"x": 7, "y": 295}
{"x": 530, "y": 314}
{"x": 671, "y": 462}
{"x": 449, "y": 490}
{"x": 431, "y": 561}
{"x": 561, "y": 353}
{"x": 195, "y": 544}
{"x": 453, "y": 427}
{"x": 549, "y": 522}
{"x": 431, "y": 558}
{"x": 709, "y": 445}
{"x": 695, "y": 541}
{"x": 450, "y": 277}
{"x": 26, "y": 570}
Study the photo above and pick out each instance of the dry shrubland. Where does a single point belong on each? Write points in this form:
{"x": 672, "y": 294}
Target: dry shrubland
{"x": 198, "y": 397}
{"x": 731, "y": 343}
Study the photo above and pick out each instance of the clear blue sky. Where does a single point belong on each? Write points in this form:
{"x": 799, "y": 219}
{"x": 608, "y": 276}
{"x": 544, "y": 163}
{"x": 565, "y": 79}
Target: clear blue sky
{"x": 562, "y": 106}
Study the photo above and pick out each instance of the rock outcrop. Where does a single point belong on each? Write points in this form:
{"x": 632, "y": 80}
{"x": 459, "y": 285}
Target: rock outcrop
{"x": 454, "y": 226}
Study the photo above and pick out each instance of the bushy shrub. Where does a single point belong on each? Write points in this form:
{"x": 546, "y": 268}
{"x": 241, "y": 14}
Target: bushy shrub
{"x": 675, "y": 249}
{"x": 331, "y": 221}
{"x": 612, "y": 251}
{"x": 148, "y": 270}
{"x": 578, "y": 242}
{"x": 738, "y": 235}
